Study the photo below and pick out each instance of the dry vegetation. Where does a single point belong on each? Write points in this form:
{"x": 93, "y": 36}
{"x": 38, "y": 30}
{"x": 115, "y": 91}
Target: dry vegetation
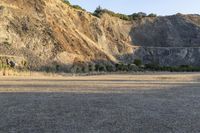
{"x": 118, "y": 103}
{"x": 61, "y": 82}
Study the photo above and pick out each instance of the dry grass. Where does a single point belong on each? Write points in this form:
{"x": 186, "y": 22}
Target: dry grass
{"x": 117, "y": 83}
{"x": 117, "y": 103}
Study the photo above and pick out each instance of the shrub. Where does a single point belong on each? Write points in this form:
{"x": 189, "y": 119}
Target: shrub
{"x": 137, "y": 62}
{"x": 100, "y": 68}
{"x": 76, "y": 69}
{"x": 152, "y": 15}
{"x": 24, "y": 63}
{"x": 67, "y": 2}
{"x": 97, "y": 67}
{"x": 132, "y": 67}
{"x": 118, "y": 67}
{"x": 136, "y": 16}
{"x": 99, "y": 11}
{"x": 7, "y": 44}
{"x": 122, "y": 67}
{"x": 49, "y": 69}
{"x": 141, "y": 14}
{"x": 46, "y": 69}
{"x": 57, "y": 68}
{"x": 181, "y": 68}
{"x": 152, "y": 66}
{"x": 78, "y": 7}
{"x": 110, "y": 68}
{"x": 91, "y": 67}
{"x": 85, "y": 68}
{"x": 74, "y": 6}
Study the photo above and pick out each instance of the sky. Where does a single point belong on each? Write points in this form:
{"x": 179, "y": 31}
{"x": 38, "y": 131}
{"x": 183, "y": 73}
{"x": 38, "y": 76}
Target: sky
{"x": 160, "y": 7}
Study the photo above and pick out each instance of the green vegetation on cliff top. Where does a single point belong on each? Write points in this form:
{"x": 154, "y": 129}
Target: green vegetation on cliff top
{"x": 100, "y": 11}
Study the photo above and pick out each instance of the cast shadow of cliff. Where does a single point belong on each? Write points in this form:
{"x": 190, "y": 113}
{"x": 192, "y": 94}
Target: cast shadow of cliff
{"x": 171, "y": 109}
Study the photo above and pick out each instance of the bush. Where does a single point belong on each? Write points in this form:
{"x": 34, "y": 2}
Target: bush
{"x": 91, "y": 67}
{"x": 182, "y": 68}
{"x": 99, "y": 11}
{"x": 137, "y": 62}
{"x": 132, "y": 67}
{"x": 74, "y": 6}
{"x": 136, "y": 16}
{"x": 152, "y": 15}
{"x": 57, "y": 68}
{"x": 118, "y": 67}
{"x": 78, "y": 7}
{"x": 67, "y": 2}
{"x": 110, "y": 68}
{"x": 152, "y": 66}
{"x": 76, "y": 69}
{"x": 24, "y": 63}
{"x": 46, "y": 69}
{"x": 100, "y": 68}
{"x": 122, "y": 67}
{"x": 85, "y": 68}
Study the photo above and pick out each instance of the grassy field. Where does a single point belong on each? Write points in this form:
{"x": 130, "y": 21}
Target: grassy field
{"x": 117, "y": 103}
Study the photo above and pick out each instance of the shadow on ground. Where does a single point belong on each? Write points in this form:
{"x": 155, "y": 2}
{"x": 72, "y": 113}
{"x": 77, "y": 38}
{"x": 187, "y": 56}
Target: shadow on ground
{"x": 148, "y": 111}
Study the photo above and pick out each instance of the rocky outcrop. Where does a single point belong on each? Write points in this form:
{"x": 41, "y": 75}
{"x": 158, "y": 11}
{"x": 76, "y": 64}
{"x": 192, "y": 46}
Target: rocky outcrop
{"x": 169, "y": 56}
{"x": 168, "y": 41}
{"x": 169, "y": 31}
{"x": 53, "y": 34}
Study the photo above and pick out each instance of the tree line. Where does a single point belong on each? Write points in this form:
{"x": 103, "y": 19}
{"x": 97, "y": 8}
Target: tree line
{"x": 99, "y": 11}
{"x": 135, "y": 16}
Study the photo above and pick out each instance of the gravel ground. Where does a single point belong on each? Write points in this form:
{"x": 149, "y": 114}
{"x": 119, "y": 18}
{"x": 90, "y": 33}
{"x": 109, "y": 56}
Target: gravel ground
{"x": 101, "y": 104}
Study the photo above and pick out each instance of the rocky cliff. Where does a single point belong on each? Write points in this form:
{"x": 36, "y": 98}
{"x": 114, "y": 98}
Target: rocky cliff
{"x": 51, "y": 33}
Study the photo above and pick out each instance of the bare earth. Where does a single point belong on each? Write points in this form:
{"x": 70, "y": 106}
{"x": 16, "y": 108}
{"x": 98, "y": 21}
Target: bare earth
{"x": 141, "y": 103}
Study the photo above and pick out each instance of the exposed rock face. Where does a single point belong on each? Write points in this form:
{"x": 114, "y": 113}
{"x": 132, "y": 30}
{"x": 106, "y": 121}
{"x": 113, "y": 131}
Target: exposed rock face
{"x": 51, "y": 33}
{"x": 170, "y": 31}
{"x": 172, "y": 40}
{"x": 169, "y": 56}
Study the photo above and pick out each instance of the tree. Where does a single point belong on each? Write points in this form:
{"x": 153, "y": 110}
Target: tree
{"x": 98, "y": 11}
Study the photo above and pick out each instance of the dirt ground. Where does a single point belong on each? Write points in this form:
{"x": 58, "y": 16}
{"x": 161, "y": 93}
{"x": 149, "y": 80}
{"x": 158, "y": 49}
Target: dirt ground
{"x": 125, "y": 103}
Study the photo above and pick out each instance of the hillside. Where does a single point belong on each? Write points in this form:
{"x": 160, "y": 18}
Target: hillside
{"x": 50, "y": 33}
